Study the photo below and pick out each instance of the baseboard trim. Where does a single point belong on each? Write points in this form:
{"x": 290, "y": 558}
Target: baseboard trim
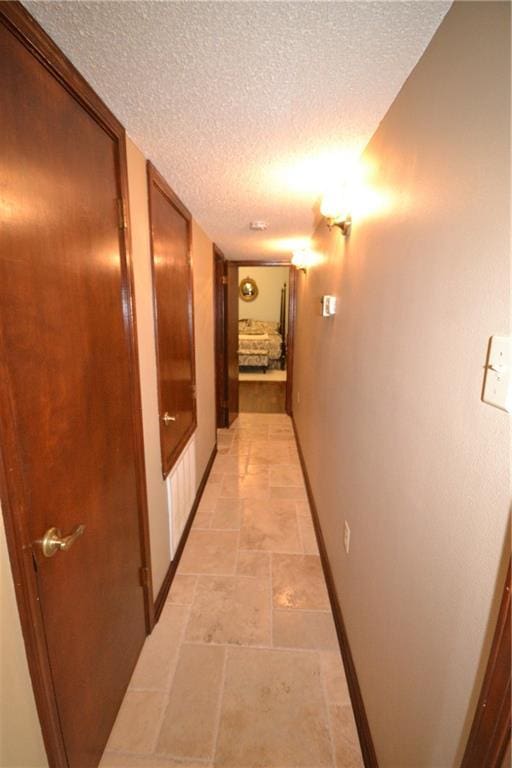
{"x": 173, "y": 565}
{"x": 363, "y": 729}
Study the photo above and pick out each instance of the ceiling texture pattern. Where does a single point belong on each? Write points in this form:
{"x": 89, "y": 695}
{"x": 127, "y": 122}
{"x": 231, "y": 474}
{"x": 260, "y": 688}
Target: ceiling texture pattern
{"x": 245, "y": 107}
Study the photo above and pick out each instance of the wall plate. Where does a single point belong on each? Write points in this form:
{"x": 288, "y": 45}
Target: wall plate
{"x": 498, "y": 374}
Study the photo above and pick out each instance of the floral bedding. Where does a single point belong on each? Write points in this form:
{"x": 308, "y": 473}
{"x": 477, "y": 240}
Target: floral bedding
{"x": 259, "y": 343}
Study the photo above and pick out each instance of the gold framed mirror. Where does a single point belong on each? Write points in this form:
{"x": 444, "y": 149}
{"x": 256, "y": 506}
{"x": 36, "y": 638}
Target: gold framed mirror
{"x": 248, "y": 289}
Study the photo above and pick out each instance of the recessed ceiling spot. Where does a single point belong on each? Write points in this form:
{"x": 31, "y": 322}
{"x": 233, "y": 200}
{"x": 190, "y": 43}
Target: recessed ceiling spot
{"x": 258, "y": 226}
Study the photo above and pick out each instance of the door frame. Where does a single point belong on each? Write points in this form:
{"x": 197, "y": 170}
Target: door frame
{"x": 21, "y": 24}
{"x": 490, "y": 731}
{"x": 292, "y": 316}
{"x": 220, "y": 336}
{"x": 232, "y": 367}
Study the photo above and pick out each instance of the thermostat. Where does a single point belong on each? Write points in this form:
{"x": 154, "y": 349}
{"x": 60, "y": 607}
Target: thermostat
{"x": 328, "y": 306}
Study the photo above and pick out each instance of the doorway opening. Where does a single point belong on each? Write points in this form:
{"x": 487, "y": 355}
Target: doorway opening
{"x": 254, "y": 336}
{"x": 262, "y": 335}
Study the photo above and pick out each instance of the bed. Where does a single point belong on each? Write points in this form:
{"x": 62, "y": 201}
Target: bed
{"x": 261, "y": 343}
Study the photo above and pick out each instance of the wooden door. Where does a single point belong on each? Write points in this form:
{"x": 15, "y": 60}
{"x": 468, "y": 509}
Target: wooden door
{"x": 70, "y": 444}
{"x": 488, "y": 744}
{"x": 173, "y": 300}
{"x": 221, "y": 372}
{"x": 232, "y": 341}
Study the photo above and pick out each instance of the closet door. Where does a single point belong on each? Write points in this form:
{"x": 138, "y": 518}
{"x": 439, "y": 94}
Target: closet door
{"x": 174, "y": 323}
{"x": 71, "y": 471}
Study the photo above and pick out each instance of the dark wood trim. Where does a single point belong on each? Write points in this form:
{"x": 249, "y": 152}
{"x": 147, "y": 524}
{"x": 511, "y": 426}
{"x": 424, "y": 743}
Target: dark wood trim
{"x": 290, "y": 340}
{"x": 173, "y": 565}
{"x": 164, "y": 187}
{"x": 232, "y": 341}
{"x": 292, "y": 317}
{"x": 129, "y": 299}
{"x": 489, "y": 737}
{"x": 220, "y": 337}
{"x": 155, "y": 178}
{"x": 259, "y": 263}
{"x": 363, "y": 729}
{"x": 19, "y": 22}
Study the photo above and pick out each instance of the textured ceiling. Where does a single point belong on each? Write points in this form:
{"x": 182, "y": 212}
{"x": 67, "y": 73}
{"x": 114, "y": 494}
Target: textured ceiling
{"x": 246, "y": 106}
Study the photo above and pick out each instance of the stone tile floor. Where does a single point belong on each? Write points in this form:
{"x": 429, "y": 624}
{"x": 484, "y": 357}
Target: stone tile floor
{"x": 243, "y": 669}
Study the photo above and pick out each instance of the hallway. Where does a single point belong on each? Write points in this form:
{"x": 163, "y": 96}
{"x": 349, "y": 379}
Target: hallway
{"x": 243, "y": 668}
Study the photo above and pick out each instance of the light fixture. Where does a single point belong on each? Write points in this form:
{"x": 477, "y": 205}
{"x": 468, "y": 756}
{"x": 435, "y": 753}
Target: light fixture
{"x": 335, "y": 215}
{"x": 302, "y": 259}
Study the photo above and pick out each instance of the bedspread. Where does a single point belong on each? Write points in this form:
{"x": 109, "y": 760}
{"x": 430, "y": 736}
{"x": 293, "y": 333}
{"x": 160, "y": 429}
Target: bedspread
{"x": 259, "y": 343}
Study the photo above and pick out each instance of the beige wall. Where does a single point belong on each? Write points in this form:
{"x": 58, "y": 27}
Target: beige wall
{"x": 141, "y": 258}
{"x": 202, "y": 265}
{"x": 267, "y": 305}
{"x": 395, "y": 436}
{"x": 21, "y": 743}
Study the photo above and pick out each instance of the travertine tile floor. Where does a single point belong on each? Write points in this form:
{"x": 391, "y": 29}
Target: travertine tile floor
{"x": 243, "y": 669}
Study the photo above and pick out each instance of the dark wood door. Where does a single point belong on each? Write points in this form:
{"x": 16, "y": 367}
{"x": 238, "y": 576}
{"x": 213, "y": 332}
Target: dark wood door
{"x": 172, "y": 285}
{"x": 232, "y": 341}
{"x": 488, "y": 744}
{"x": 69, "y": 448}
{"x": 221, "y": 372}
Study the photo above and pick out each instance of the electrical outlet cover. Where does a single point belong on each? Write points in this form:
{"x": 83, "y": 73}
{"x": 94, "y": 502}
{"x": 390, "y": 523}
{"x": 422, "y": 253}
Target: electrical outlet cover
{"x": 346, "y": 537}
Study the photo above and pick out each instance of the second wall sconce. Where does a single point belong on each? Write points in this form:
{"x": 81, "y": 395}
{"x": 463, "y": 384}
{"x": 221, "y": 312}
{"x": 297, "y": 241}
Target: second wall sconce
{"x": 335, "y": 215}
{"x": 302, "y": 259}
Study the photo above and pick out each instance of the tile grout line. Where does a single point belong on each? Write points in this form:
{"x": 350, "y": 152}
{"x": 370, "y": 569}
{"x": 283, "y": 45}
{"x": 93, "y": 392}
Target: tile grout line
{"x": 218, "y": 712}
{"x": 271, "y": 587}
{"x": 299, "y": 530}
{"x": 327, "y": 709}
{"x": 237, "y": 555}
{"x": 170, "y": 680}
{"x": 164, "y": 755}
{"x": 255, "y": 647}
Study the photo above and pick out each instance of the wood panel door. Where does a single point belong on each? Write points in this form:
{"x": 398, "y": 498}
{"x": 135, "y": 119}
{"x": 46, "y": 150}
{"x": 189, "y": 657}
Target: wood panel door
{"x": 232, "y": 341}
{"x": 174, "y": 317}
{"x": 69, "y": 421}
{"x": 488, "y": 744}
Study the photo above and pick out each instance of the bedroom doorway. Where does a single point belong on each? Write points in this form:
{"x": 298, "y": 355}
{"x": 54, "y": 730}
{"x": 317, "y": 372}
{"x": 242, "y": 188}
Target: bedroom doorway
{"x": 254, "y": 335}
{"x": 263, "y": 313}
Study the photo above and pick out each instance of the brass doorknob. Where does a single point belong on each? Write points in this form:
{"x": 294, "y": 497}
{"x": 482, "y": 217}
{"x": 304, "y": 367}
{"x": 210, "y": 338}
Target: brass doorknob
{"x": 53, "y": 540}
{"x": 167, "y": 418}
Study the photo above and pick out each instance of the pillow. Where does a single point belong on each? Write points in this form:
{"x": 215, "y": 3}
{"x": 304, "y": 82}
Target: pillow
{"x": 257, "y": 326}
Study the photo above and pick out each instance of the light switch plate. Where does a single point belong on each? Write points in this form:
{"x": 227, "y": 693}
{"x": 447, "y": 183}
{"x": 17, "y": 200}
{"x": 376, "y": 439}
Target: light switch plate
{"x": 498, "y": 374}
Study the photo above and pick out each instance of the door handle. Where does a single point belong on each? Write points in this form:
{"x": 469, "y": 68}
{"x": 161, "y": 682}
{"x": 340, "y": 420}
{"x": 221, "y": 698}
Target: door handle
{"x": 167, "y": 418}
{"x": 53, "y": 540}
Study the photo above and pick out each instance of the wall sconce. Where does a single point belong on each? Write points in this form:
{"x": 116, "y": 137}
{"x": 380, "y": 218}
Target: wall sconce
{"x": 335, "y": 215}
{"x": 302, "y": 259}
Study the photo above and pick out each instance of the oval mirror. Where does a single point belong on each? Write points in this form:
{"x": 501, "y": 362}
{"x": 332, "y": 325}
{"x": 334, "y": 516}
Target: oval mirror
{"x": 248, "y": 289}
